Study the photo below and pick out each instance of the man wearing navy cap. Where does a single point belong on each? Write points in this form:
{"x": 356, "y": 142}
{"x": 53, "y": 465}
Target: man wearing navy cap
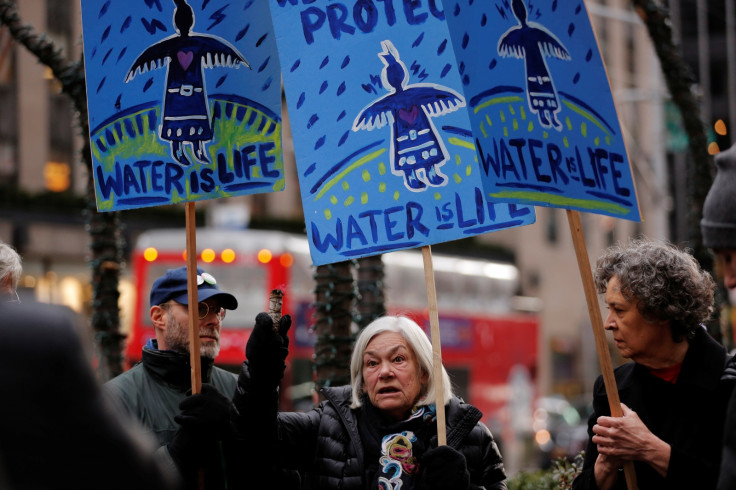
{"x": 192, "y": 430}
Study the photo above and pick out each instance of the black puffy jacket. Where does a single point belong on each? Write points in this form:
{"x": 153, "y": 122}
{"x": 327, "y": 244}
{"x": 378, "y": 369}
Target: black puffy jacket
{"x": 56, "y": 429}
{"x": 325, "y": 446}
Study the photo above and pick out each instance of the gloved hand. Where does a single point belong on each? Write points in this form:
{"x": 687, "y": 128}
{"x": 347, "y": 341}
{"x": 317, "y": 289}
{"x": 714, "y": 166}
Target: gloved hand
{"x": 441, "y": 468}
{"x": 204, "y": 419}
{"x": 266, "y": 351}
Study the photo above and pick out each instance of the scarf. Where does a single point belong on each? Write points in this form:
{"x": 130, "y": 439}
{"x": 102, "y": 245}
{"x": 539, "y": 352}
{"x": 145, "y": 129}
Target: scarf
{"x": 393, "y": 449}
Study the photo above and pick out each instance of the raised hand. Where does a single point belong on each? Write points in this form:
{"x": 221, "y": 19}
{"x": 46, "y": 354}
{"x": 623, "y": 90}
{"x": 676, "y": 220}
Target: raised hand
{"x": 267, "y": 349}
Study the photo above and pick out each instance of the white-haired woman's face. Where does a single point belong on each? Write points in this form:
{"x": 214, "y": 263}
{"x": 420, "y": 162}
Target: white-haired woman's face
{"x": 392, "y": 377}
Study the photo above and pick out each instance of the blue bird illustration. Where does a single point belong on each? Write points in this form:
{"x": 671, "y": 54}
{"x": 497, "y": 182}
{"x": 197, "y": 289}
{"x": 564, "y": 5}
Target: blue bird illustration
{"x": 417, "y": 150}
{"x": 186, "y": 113}
{"x": 534, "y": 43}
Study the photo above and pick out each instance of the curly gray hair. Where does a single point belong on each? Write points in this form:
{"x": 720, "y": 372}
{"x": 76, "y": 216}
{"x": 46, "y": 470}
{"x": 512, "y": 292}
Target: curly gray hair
{"x": 665, "y": 282}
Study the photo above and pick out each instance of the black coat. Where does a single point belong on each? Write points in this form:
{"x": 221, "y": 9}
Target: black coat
{"x": 688, "y": 415}
{"x": 56, "y": 429}
{"x": 324, "y": 443}
{"x": 727, "y": 477}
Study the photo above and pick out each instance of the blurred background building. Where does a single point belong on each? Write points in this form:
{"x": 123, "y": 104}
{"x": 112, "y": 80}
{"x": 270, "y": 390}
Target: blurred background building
{"x": 39, "y": 163}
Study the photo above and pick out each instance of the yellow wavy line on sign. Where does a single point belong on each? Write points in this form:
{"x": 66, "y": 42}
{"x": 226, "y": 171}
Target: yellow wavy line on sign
{"x": 461, "y": 142}
{"x": 587, "y": 115}
{"x": 361, "y": 161}
{"x": 562, "y": 201}
{"x": 498, "y": 100}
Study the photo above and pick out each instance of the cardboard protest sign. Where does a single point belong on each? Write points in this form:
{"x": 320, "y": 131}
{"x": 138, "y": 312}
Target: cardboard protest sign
{"x": 384, "y": 149}
{"x": 545, "y": 124}
{"x": 542, "y": 113}
{"x": 184, "y": 101}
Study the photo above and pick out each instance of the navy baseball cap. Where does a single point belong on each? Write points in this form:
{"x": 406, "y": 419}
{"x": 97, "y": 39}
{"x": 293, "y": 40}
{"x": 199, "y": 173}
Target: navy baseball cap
{"x": 173, "y": 285}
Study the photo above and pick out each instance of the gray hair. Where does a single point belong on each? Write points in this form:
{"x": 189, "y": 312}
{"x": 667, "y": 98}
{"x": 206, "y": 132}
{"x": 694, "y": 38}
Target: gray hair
{"x": 665, "y": 282}
{"x": 10, "y": 265}
{"x": 419, "y": 344}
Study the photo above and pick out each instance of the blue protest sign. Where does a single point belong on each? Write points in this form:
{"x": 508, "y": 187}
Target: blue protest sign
{"x": 542, "y": 113}
{"x": 184, "y": 101}
{"x": 383, "y": 143}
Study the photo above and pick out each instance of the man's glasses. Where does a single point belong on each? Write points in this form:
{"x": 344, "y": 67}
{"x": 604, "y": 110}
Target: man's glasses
{"x": 203, "y": 309}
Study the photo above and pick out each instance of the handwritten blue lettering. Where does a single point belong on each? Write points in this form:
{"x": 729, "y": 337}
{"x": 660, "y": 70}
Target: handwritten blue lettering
{"x": 532, "y": 163}
{"x": 144, "y": 178}
{"x": 367, "y": 227}
{"x": 364, "y": 16}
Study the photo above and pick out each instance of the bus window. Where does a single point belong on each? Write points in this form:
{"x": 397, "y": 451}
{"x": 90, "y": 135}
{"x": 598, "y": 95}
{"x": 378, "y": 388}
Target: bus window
{"x": 247, "y": 282}
{"x": 301, "y": 392}
{"x": 460, "y": 381}
{"x": 302, "y": 276}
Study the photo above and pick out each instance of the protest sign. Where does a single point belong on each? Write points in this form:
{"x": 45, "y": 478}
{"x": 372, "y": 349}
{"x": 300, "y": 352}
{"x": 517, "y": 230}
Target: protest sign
{"x": 182, "y": 107}
{"x": 184, "y": 104}
{"x": 542, "y": 113}
{"x": 384, "y": 149}
{"x": 545, "y": 124}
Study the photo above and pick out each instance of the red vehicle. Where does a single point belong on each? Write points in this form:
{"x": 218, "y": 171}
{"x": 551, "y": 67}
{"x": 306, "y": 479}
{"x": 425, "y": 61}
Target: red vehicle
{"x": 482, "y": 339}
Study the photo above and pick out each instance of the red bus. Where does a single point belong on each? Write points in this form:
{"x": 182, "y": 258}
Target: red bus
{"x": 482, "y": 338}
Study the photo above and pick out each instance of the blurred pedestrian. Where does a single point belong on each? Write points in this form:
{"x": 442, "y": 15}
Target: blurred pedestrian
{"x": 10, "y": 271}
{"x": 379, "y": 432}
{"x": 718, "y": 227}
{"x": 192, "y": 430}
{"x": 673, "y": 395}
{"x": 56, "y": 428}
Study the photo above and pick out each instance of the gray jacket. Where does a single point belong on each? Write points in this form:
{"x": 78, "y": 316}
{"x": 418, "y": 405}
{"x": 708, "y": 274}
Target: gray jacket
{"x": 152, "y": 389}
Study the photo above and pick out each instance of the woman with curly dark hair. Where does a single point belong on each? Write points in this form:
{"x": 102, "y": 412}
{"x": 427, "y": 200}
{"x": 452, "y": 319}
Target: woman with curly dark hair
{"x": 672, "y": 395}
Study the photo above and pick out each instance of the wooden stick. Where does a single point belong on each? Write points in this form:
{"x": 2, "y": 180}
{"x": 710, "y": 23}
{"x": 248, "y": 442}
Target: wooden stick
{"x": 434, "y": 324}
{"x": 194, "y": 349}
{"x": 596, "y": 320}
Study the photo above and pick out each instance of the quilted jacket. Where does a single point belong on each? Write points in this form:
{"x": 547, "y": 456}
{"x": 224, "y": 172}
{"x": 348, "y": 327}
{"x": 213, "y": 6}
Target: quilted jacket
{"x": 325, "y": 446}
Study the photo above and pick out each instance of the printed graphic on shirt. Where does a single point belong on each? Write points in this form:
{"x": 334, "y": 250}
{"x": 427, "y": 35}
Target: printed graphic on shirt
{"x": 397, "y": 460}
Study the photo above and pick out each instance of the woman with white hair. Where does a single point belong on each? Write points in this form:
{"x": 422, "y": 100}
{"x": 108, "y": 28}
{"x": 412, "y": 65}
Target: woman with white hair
{"x": 380, "y": 432}
{"x": 10, "y": 271}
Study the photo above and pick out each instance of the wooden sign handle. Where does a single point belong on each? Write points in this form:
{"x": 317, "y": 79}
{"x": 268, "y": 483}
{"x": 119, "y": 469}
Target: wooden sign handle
{"x": 599, "y": 333}
{"x": 434, "y": 324}
{"x": 194, "y": 349}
